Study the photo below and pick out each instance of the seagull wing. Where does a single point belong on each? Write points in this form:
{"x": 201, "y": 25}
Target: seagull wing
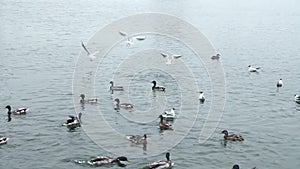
{"x": 122, "y": 33}
{"x": 82, "y": 44}
{"x": 177, "y": 56}
{"x": 164, "y": 55}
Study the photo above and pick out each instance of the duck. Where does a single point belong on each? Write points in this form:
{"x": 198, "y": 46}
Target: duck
{"x": 216, "y": 57}
{"x": 123, "y": 105}
{"x": 297, "y": 98}
{"x": 19, "y": 111}
{"x": 169, "y": 115}
{"x": 92, "y": 56}
{"x": 157, "y": 88}
{"x": 170, "y": 58}
{"x": 162, "y": 164}
{"x": 83, "y": 100}
{"x": 73, "y": 121}
{"x": 115, "y": 88}
{"x": 3, "y": 140}
{"x": 163, "y": 125}
{"x": 98, "y": 161}
{"x": 252, "y": 69}
{"x": 137, "y": 139}
{"x": 238, "y": 167}
{"x": 232, "y": 137}
{"x": 201, "y": 97}
{"x": 279, "y": 83}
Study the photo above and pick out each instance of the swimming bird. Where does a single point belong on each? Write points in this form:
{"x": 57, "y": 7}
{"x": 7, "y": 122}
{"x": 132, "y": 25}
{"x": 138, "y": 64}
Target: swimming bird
{"x": 73, "y": 121}
{"x": 170, "y": 58}
{"x": 123, "y": 105}
{"x": 83, "y": 100}
{"x": 163, "y": 125}
{"x": 92, "y": 56}
{"x": 252, "y": 69}
{"x": 157, "y": 88}
{"x": 3, "y": 140}
{"x": 169, "y": 115}
{"x": 297, "y": 98}
{"x": 216, "y": 57}
{"x": 98, "y": 161}
{"x": 201, "y": 97}
{"x": 162, "y": 164}
{"x": 238, "y": 167}
{"x": 279, "y": 83}
{"x": 115, "y": 88}
{"x": 19, "y": 111}
{"x": 232, "y": 137}
{"x": 137, "y": 139}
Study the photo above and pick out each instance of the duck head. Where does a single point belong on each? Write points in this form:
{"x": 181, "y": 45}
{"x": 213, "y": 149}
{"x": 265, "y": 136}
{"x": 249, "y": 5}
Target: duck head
{"x": 236, "y": 167}
{"x": 168, "y": 156}
{"x": 154, "y": 82}
{"x": 117, "y": 100}
{"x": 8, "y": 107}
{"x": 111, "y": 82}
{"x": 82, "y": 96}
{"x": 122, "y": 158}
{"x": 145, "y": 136}
{"x": 225, "y": 132}
{"x": 161, "y": 118}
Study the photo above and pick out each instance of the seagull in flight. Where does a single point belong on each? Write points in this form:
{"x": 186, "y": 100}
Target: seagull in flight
{"x": 92, "y": 56}
{"x": 170, "y": 58}
{"x": 130, "y": 41}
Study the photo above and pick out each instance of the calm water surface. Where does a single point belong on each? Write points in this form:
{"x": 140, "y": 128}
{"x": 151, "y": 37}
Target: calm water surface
{"x": 40, "y": 44}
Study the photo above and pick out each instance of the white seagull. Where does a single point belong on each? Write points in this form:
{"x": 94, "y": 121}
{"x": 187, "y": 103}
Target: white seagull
{"x": 297, "y": 98}
{"x": 201, "y": 97}
{"x": 252, "y": 69}
{"x": 92, "y": 56}
{"x": 170, "y": 58}
{"x": 279, "y": 83}
{"x": 169, "y": 115}
{"x": 130, "y": 41}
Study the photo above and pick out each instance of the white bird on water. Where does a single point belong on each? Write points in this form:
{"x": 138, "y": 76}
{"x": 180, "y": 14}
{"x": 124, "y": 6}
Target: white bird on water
{"x": 130, "y": 41}
{"x": 279, "y": 83}
{"x": 252, "y": 69}
{"x": 170, "y": 58}
{"x": 92, "y": 56}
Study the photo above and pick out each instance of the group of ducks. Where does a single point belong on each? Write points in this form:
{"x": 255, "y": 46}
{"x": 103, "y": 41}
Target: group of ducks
{"x": 19, "y": 111}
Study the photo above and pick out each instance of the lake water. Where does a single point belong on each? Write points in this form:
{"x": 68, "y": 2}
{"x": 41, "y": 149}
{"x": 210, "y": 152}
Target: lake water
{"x": 39, "y": 50}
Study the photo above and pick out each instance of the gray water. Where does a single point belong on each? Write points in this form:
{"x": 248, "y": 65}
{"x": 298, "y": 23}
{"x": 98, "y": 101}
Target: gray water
{"x": 40, "y": 45}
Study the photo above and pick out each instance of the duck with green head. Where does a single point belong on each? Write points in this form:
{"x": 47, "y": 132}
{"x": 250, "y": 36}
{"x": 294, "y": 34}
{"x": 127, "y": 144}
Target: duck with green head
{"x": 162, "y": 164}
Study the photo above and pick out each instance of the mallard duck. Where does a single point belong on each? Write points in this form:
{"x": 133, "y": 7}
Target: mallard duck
{"x": 170, "y": 58}
{"x": 279, "y": 83}
{"x": 252, "y": 69}
{"x": 19, "y": 111}
{"x": 98, "y": 161}
{"x": 137, "y": 139}
{"x": 169, "y": 115}
{"x": 92, "y": 56}
{"x": 216, "y": 57}
{"x": 201, "y": 96}
{"x": 83, "y": 100}
{"x": 232, "y": 137}
{"x": 123, "y": 105}
{"x": 158, "y": 88}
{"x": 73, "y": 121}
{"x": 3, "y": 140}
{"x": 163, "y": 125}
{"x": 162, "y": 164}
{"x": 115, "y": 88}
{"x": 297, "y": 98}
{"x": 238, "y": 167}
